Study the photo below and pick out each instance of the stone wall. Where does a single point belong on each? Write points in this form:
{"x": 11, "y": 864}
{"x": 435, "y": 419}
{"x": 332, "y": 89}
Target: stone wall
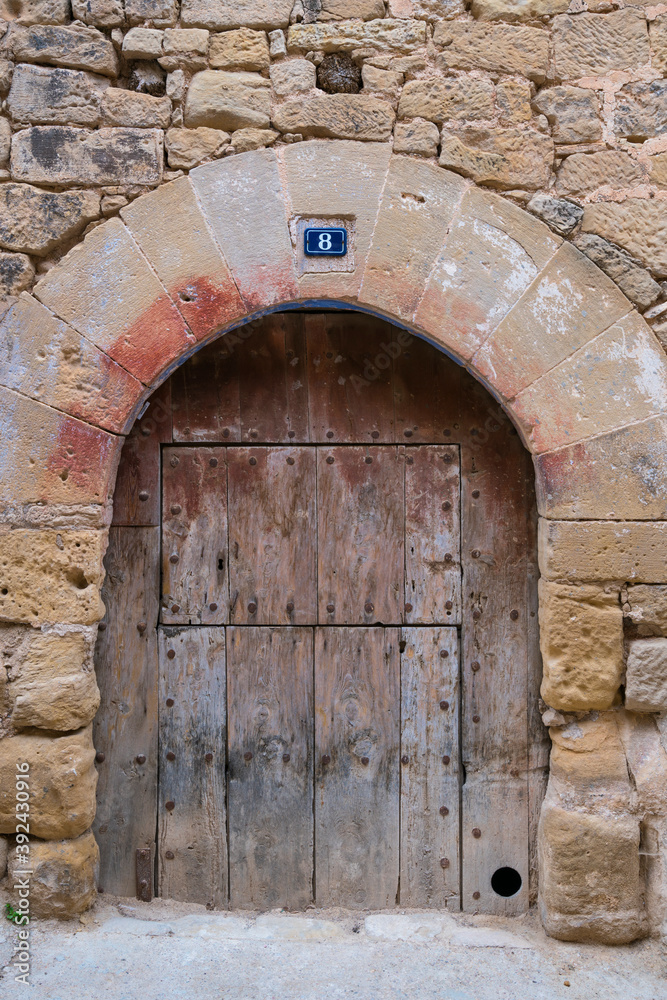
{"x": 562, "y": 109}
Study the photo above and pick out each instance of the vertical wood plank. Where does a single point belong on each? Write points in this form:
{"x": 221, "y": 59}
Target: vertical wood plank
{"x": 350, "y": 378}
{"x": 205, "y": 392}
{"x": 427, "y": 392}
{"x": 192, "y": 843}
{"x": 357, "y": 748}
{"x": 432, "y": 535}
{"x": 272, "y": 535}
{"x": 137, "y": 493}
{"x": 270, "y": 711}
{"x": 495, "y": 549}
{"x": 273, "y": 384}
{"x": 125, "y": 728}
{"x": 360, "y": 516}
{"x": 195, "y": 568}
{"x": 430, "y": 772}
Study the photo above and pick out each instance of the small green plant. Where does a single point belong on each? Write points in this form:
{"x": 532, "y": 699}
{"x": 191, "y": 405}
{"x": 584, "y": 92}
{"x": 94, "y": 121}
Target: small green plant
{"x": 11, "y": 914}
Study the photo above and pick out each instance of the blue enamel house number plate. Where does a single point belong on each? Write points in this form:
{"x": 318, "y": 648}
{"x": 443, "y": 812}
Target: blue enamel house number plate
{"x": 325, "y": 242}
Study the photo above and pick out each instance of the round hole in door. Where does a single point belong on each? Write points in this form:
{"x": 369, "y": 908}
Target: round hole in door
{"x": 506, "y": 882}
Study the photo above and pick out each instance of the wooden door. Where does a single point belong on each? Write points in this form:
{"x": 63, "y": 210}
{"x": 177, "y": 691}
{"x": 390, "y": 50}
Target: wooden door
{"x": 331, "y": 692}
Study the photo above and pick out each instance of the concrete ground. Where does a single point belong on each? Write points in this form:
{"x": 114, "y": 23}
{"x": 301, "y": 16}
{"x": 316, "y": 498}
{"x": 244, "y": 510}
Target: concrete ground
{"x": 164, "y": 950}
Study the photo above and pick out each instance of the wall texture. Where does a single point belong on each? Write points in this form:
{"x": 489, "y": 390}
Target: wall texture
{"x": 561, "y": 109}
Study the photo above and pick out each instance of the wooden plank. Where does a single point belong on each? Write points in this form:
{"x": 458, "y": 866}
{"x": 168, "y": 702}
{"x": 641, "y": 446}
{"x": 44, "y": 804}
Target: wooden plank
{"x": 192, "y": 841}
{"x": 357, "y": 748}
{"x": 432, "y": 535}
{"x": 495, "y": 545}
{"x": 205, "y": 392}
{"x": 360, "y": 516}
{"x": 125, "y": 728}
{"x": 272, "y": 381}
{"x": 427, "y": 394}
{"x": 270, "y": 712}
{"x": 350, "y": 392}
{"x": 195, "y": 577}
{"x": 137, "y": 493}
{"x": 430, "y": 771}
{"x": 272, "y": 535}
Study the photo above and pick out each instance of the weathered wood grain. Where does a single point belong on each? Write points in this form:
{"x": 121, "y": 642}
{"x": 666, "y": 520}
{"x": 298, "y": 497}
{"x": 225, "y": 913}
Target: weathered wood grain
{"x": 357, "y": 748}
{"x": 432, "y": 535}
{"x": 192, "y": 843}
{"x": 430, "y": 871}
{"x": 272, "y": 535}
{"x": 195, "y": 556}
{"x": 125, "y": 729}
{"x": 137, "y": 492}
{"x": 360, "y": 516}
{"x": 270, "y": 712}
{"x": 427, "y": 392}
{"x": 205, "y": 392}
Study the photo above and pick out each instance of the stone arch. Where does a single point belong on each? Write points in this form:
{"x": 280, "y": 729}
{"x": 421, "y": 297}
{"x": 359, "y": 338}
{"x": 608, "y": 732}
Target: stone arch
{"x": 556, "y": 342}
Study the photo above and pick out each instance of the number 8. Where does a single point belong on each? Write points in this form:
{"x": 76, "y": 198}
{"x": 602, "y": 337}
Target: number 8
{"x": 325, "y": 241}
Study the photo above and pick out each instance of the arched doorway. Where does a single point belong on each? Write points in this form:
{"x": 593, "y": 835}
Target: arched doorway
{"x": 319, "y": 663}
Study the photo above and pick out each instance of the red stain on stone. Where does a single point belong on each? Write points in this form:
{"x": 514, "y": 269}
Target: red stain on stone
{"x": 80, "y": 461}
{"x": 208, "y": 306}
{"x": 155, "y": 339}
{"x": 454, "y": 319}
{"x": 116, "y": 395}
{"x": 267, "y": 286}
{"x": 558, "y": 469}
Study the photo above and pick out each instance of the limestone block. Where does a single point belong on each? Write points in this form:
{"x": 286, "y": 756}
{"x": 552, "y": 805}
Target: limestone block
{"x": 62, "y": 781}
{"x": 107, "y": 291}
{"x": 337, "y": 116}
{"x": 40, "y": 95}
{"x": 492, "y": 254}
{"x": 657, "y": 166}
{"x": 188, "y": 147}
{"x": 47, "y": 457}
{"x": 243, "y": 49}
{"x": 641, "y": 110}
{"x": 513, "y": 100}
{"x": 418, "y": 138}
{"x": 559, "y": 214}
{"x": 417, "y": 208}
{"x": 595, "y": 44}
{"x": 427, "y": 10}
{"x": 228, "y": 101}
{"x": 387, "y": 35}
{"x": 588, "y": 767}
{"x": 517, "y": 10}
{"x": 277, "y": 44}
{"x": 583, "y": 173}
{"x": 171, "y": 230}
{"x": 70, "y": 157}
{"x": 453, "y": 99}
{"x": 244, "y": 140}
{"x": 133, "y": 110}
{"x": 658, "y": 38}
{"x": 590, "y": 887}
{"x": 620, "y": 475}
{"x": 568, "y": 304}
{"x": 217, "y": 14}
{"x": 16, "y": 273}
{"x": 52, "y": 683}
{"x": 498, "y": 48}
{"x": 637, "y": 224}
{"x": 386, "y": 81}
{"x": 344, "y": 180}
{"x": 158, "y": 13}
{"x": 64, "y": 880}
{"x": 581, "y": 638}
{"x": 35, "y": 11}
{"x": 603, "y": 550}
{"x": 42, "y": 357}
{"x": 101, "y": 13}
{"x": 294, "y": 76}
{"x": 243, "y": 201}
{"x": 35, "y": 221}
{"x": 143, "y": 43}
{"x": 501, "y": 158}
{"x": 572, "y": 112}
{"x": 6, "y": 73}
{"x": 74, "y": 46}
{"x": 617, "y": 378}
{"x": 340, "y": 10}
{"x": 631, "y": 278}
{"x": 5, "y": 141}
{"x": 4, "y": 851}
{"x": 647, "y": 609}
{"x": 646, "y": 677}
{"x": 176, "y": 85}
{"x": 185, "y": 47}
